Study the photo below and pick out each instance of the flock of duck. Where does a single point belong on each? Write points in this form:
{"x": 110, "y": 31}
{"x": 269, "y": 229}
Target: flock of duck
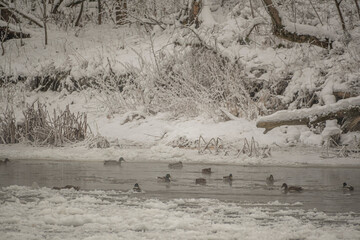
{"x": 201, "y": 181}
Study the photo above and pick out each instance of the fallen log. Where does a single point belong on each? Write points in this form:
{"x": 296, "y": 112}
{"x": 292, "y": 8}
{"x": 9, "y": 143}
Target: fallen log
{"x": 346, "y": 108}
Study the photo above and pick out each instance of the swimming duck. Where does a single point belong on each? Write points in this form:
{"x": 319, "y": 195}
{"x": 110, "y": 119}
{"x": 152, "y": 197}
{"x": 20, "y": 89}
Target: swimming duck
{"x": 206, "y": 171}
{"x": 348, "y": 187}
{"x": 176, "y": 165}
{"x": 167, "y": 178}
{"x": 291, "y": 188}
{"x": 136, "y": 188}
{"x": 114, "y": 162}
{"x": 228, "y": 178}
{"x": 5, "y": 161}
{"x": 201, "y": 181}
{"x": 77, "y": 188}
{"x": 270, "y": 180}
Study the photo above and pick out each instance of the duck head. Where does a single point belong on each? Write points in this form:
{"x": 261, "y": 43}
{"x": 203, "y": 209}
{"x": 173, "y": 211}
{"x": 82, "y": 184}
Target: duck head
{"x": 121, "y": 159}
{"x": 271, "y": 177}
{"x": 136, "y": 185}
{"x": 284, "y": 186}
{"x": 167, "y": 176}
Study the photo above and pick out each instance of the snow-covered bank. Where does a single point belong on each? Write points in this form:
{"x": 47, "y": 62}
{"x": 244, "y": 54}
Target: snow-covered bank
{"x": 139, "y": 136}
{"x": 295, "y": 156}
{"x": 32, "y": 213}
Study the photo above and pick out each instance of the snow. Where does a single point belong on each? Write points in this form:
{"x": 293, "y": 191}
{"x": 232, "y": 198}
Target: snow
{"x": 136, "y": 134}
{"x": 44, "y": 213}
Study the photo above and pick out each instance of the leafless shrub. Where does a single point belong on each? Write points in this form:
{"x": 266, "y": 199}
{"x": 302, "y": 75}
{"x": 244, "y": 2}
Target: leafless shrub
{"x": 201, "y": 81}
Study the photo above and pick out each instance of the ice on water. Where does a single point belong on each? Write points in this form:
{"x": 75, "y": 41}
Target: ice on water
{"x": 43, "y": 213}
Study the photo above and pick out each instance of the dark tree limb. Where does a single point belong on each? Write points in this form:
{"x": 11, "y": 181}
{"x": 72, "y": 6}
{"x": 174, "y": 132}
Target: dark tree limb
{"x": 74, "y": 3}
{"x": 77, "y": 23}
{"x": 56, "y": 6}
{"x": 280, "y": 31}
{"x": 340, "y": 15}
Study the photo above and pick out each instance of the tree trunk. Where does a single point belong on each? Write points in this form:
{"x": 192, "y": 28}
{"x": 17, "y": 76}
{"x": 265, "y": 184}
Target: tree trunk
{"x": 99, "y": 12}
{"x": 280, "y": 31}
{"x": 44, "y": 20}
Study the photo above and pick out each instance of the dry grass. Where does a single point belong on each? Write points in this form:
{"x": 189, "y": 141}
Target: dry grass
{"x": 42, "y": 128}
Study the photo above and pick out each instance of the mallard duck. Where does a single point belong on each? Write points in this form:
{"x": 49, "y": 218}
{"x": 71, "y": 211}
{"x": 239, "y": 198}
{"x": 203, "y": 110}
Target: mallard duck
{"x": 136, "y": 188}
{"x": 206, "y": 171}
{"x": 167, "y": 178}
{"x": 270, "y": 180}
{"x": 114, "y": 162}
{"x": 291, "y": 188}
{"x": 348, "y": 187}
{"x": 201, "y": 181}
{"x": 228, "y": 178}
{"x": 5, "y": 161}
{"x": 176, "y": 165}
{"x": 77, "y": 188}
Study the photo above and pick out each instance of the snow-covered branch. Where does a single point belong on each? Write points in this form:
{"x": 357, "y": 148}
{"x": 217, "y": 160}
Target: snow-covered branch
{"x": 344, "y": 108}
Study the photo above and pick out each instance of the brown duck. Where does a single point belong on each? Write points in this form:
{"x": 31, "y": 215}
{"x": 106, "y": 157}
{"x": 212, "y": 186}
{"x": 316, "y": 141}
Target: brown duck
{"x": 291, "y": 188}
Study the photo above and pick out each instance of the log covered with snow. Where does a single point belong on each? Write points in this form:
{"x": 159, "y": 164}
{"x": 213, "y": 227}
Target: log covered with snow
{"x": 344, "y": 108}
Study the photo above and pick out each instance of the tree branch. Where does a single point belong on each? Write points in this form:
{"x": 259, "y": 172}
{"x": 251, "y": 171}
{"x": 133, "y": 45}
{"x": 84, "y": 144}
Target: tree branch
{"x": 280, "y": 30}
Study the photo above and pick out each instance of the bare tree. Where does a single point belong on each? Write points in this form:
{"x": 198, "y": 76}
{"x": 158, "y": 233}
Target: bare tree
{"x": 44, "y": 21}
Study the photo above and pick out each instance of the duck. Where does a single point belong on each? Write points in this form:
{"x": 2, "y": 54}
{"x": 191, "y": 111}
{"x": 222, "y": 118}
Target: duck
{"x": 270, "y": 180}
{"x": 291, "y": 188}
{"x": 228, "y": 178}
{"x": 114, "y": 162}
{"x": 77, "y": 188}
{"x": 136, "y": 188}
{"x": 348, "y": 187}
{"x": 5, "y": 161}
{"x": 206, "y": 171}
{"x": 176, "y": 165}
{"x": 201, "y": 181}
{"x": 167, "y": 178}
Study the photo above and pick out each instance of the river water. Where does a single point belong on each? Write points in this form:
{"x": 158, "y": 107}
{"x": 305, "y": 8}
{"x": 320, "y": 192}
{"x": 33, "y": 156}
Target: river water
{"x": 322, "y": 185}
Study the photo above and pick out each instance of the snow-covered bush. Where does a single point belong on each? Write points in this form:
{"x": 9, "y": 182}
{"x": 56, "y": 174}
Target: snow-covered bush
{"x": 201, "y": 81}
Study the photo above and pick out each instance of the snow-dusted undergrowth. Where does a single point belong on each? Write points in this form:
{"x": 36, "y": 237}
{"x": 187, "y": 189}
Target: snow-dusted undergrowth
{"x": 152, "y": 89}
{"x": 29, "y": 213}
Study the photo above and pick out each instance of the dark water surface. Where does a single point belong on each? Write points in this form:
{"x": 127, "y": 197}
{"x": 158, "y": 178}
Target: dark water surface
{"x": 323, "y": 185}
